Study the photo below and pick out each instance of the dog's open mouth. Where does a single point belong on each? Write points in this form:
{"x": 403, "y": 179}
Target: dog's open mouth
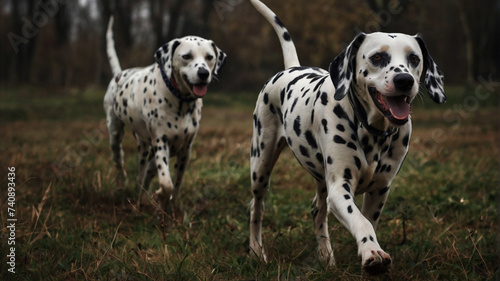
{"x": 396, "y": 109}
{"x": 199, "y": 89}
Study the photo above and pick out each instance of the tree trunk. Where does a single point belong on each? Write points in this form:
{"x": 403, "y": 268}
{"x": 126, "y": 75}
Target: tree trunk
{"x": 175, "y": 17}
{"x": 386, "y": 14}
{"x": 469, "y": 44}
{"x": 208, "y": 8}
{"x": 63, "y": 21}
{"x": 106, "y": 10}
{"x": 25, "y": 28}
{"x": 158, "y": 10}
{"x": 123, "y": 19}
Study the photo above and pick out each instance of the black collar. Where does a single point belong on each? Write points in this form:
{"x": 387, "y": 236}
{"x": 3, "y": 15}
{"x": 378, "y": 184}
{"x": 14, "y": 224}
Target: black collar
{"x": 173, "y": 88}
{"x": 360, "y": 113}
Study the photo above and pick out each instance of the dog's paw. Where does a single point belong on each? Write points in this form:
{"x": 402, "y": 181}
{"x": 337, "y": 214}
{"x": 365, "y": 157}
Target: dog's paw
{"x": 377, "y": 262}
{"x": 257, "y": 251}
{"x": 326, "y": 256}
{"x": 121, "y": 180}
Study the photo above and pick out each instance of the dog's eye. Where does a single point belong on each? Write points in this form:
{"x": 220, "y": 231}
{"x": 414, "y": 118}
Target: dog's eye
{"x": 380, "y": 59}
{"x": 187, "y": 56}
{"x": 414, "y": 59}
{"x": 210, "y": 57}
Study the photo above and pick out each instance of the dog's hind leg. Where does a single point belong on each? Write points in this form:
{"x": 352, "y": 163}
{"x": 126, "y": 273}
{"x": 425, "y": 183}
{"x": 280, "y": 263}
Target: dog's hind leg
{"x": 151, "y": 171}
{"x": 266, "y": 147}
{"x": 180, "y": 169}
{"x": 116, "y": 131}
{"x": 143, "y": 152}
{"x": 319, "y": 212}
{"x": 147, "y": 168}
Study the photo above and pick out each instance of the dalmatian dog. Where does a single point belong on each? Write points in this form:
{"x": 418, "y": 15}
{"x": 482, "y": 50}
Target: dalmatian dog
{"x": 349, "y": 127}
{"x": 162, "y": 104}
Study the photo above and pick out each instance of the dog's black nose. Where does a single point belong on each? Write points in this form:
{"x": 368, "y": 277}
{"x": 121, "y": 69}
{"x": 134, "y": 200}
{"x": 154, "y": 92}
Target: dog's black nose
{"x": 203, "y": 73}
{"x": 403, "y": 82}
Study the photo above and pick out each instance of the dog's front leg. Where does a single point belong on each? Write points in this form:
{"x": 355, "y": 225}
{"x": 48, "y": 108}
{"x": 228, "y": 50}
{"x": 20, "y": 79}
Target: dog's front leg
{"x": 341, "y": 203}
{"x": 143, "y": 151}
{"x": 164, "y": 194}
{"x": 116, "y": 133}
{"x": 373, "y": 204}
{"x": 180, "y": 168}
{"x": 147, "y": 170}
{"x": 320, "y": 217}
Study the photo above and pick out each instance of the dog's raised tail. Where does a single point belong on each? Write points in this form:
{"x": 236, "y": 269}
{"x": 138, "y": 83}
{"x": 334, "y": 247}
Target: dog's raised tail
{"x": 110, "y": 49}
{"x": 289, "y": 52}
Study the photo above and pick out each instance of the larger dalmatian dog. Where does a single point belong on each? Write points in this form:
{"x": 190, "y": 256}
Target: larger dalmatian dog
{"x": 162, "y": 104}
{"x": 349, "y": 127}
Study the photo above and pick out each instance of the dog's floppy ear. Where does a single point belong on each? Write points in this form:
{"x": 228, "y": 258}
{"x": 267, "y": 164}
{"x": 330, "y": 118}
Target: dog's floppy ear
{"x": 221, "y": 58}
{"x": 343, "y": 67}
{"x": 433, "y": 76}
{"x": 164, "y": 56}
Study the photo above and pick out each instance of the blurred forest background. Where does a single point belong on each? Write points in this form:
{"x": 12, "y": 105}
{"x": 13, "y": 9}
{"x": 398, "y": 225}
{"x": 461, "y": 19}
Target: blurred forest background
{"x": 60, "y": 43}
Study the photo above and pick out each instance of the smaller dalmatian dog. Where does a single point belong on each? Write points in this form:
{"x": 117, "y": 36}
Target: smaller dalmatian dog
{"x": 162, "y": 104}
{"x": 349, "y": 127}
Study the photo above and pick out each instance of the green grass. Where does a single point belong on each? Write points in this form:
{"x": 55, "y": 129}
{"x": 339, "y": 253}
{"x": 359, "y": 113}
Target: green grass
{"x": 440, "y": 222}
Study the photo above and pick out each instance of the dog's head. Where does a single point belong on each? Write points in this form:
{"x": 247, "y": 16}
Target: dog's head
{"x": 388, "y": 68}
{"x": 191, "y": 63}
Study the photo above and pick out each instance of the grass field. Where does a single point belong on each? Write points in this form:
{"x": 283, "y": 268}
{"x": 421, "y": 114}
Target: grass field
{"x": 440, "y": 222}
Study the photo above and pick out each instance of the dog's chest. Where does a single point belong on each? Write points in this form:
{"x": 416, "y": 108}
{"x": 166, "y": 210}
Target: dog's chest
{"x": 157, "y": 117}
{"x": 383, "y": 157}
{"x": 331, "y": 146}
{"x": 174, "y": 124}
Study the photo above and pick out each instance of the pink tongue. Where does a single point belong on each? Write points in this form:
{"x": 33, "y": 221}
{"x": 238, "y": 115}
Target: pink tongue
{"x": 398, "y": 107}
{"x": 200, "y": 90}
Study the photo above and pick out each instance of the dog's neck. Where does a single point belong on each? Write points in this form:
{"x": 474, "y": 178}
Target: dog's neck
{"x": 179, "y": 106}
{"x": 374, "y": 122}
{"x": 173, "y": 86}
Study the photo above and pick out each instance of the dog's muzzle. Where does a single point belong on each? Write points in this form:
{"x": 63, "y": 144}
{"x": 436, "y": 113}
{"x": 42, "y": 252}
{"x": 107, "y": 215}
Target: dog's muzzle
{"x": 199, "y": 89}
{"x": 395, "y": 108}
